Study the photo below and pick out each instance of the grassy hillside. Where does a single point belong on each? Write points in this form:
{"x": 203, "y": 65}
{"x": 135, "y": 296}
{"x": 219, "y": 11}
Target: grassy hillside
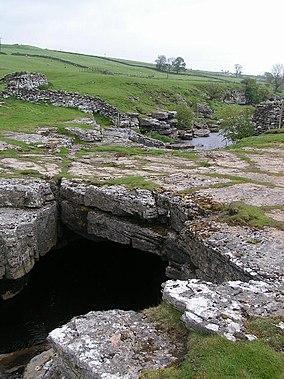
{"x": 128, "y": 85}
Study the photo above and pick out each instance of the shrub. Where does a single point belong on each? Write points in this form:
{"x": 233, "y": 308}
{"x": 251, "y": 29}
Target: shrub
{"x": 237, "y": 123}
{"x": 184, "y": 117}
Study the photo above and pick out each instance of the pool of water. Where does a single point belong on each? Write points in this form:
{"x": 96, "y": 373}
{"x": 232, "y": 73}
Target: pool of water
{"x": 213, "y": 141}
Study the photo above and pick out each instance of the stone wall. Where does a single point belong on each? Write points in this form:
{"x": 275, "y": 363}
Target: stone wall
{"x": 267, "y": 116}
{"x": 25, "y": 86}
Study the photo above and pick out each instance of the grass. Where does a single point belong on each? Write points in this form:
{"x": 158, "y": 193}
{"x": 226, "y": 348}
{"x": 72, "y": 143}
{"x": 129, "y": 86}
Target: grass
{"x": 210, "y": 356}
{"x": 159, "y": 137}
{"x": 134, "y": 182}
{"x": 261, "y": 141}
{"x": 128, "y": 87}
{"x": 22, "y": 116}
{"x": 241, "y": 213}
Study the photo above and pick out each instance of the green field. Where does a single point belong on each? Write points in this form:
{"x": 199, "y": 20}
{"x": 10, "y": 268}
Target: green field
{"x": 130, "y": 86}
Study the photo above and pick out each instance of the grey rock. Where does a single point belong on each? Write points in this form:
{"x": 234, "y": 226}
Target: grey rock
{"x": 120, "y": 201}
{"x": 267, "y": 116}
{"x": 88, "y": 135}
{"x": 25, "y": 235}
{"x": 124, "y": 232}
{"x": 110, "y": 345}
{"x": 203, "y": 110}
{"x": 224, "y": 308}
{"x": 24, "y": 193}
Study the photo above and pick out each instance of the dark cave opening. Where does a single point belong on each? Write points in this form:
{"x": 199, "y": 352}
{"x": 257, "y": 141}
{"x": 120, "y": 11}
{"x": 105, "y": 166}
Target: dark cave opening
{"x": 82, "y": 276}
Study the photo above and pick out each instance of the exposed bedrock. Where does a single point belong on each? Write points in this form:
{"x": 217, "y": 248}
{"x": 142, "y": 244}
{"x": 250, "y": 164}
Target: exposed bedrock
{"x": 175, "y": 227}
{"x": 28, "y": 229}
{"x": 221, "y": 273}
{"x": 150, "y": 221}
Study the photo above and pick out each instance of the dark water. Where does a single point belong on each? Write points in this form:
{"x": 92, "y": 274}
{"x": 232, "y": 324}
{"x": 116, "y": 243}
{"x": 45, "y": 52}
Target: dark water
{"x": 83, "y": 276}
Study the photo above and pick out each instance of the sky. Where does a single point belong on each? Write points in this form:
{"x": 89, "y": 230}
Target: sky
{"x": 209, "y": 34}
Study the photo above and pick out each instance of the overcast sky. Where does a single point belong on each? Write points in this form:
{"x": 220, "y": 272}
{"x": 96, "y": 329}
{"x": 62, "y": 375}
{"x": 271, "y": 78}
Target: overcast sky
{"x": 208, "y": 34}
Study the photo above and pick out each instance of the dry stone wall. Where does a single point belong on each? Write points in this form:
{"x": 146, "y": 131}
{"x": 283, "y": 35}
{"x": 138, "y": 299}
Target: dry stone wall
{"x": 25, "y": 86}
{"x": 267, "y": 116}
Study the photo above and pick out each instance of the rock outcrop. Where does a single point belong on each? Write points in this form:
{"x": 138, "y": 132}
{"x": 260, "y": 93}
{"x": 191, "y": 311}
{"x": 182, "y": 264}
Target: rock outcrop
{"x": 162, "y": 122}
{"x": 224, "y": 308}
{"x": 28, "y": 229}
{"x": 113, "y": 344}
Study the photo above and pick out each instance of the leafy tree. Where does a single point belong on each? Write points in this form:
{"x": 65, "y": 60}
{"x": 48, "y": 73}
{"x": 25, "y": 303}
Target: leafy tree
{"x": 276, "y": 77}
{"x": 169, "y": 65}
{"x": 161, "y": 63}
{"x": 179, "y": 64}
{"x": 184, "y": 117}
{"x": 255, "y": 92}
{"x": 237, "y": 124}
{"x": 238, "y": 70}
{"x": 214, "y": 91}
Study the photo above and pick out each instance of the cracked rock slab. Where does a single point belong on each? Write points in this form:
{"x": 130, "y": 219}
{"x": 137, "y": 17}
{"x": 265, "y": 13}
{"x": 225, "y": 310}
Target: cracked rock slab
{"x": 110, "y": 345}
{"x": 223, "y": 308}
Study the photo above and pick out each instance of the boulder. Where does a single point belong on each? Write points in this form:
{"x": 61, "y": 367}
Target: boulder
{"x": 112, "y": 344}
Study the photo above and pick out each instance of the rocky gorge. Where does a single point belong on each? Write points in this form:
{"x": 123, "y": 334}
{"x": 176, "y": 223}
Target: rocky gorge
{"x": 220, "y": 273}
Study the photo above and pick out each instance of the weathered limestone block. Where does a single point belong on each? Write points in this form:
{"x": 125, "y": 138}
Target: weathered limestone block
{"x": 73, "y": 190}
{"x": 24, "y": 193}
{"x": 42, "y": 366}
{"x": 203, "y": 110}
{"x": 88, "y": 135}
{"x": 75, "y": 217}
{"x": 223, "y": 308}
{"x": 124, "y": 232}
{"x": 24, "y": 236}
{"x": 110, "y": 345}
{"x": 120, "y": 201}
{"x": 160, "y": 115}
{"x": 258, "y": 253}
{"x": 191, "y": 257}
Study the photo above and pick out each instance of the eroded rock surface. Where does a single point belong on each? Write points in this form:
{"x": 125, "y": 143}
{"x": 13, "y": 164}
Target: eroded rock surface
{"x": 224, "y": 308}
{"x": 28, "y": 228}
{"x": 110, "y": 345}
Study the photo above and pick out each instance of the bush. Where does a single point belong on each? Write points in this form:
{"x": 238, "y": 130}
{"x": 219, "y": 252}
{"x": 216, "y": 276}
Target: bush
{"x": 237, "y": 123}
{"x": 255, "y": 92}
{"x": 184, "y": 117}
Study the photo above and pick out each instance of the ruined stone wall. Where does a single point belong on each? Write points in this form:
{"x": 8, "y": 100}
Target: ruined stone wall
{"x": 25, "y": 86}
{"x": 267, "y": 116}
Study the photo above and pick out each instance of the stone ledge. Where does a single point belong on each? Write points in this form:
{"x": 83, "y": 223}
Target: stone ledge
{"x": 110, "y": 345}
{"x": 223, "y": 308}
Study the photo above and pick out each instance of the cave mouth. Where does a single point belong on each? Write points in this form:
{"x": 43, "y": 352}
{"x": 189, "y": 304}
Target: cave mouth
{"x": 80, "y": 277}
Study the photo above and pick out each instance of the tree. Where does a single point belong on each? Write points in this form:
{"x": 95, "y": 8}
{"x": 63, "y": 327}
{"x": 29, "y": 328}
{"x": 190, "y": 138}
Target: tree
{"x": 237, "y": 124}
{"x": 254, "y": 92}
{"x": 161, "y": 63}
{"x": 184, "y": 116}
{"x": 169, "y": 65}
{"x": 276, "y": 77}
{"x": 179, "y": 64}
{"x": 238, "y": 70}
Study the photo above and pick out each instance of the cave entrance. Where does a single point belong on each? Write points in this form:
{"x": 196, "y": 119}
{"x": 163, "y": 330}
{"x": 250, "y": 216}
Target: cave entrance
{"x": 82, "y": 276}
